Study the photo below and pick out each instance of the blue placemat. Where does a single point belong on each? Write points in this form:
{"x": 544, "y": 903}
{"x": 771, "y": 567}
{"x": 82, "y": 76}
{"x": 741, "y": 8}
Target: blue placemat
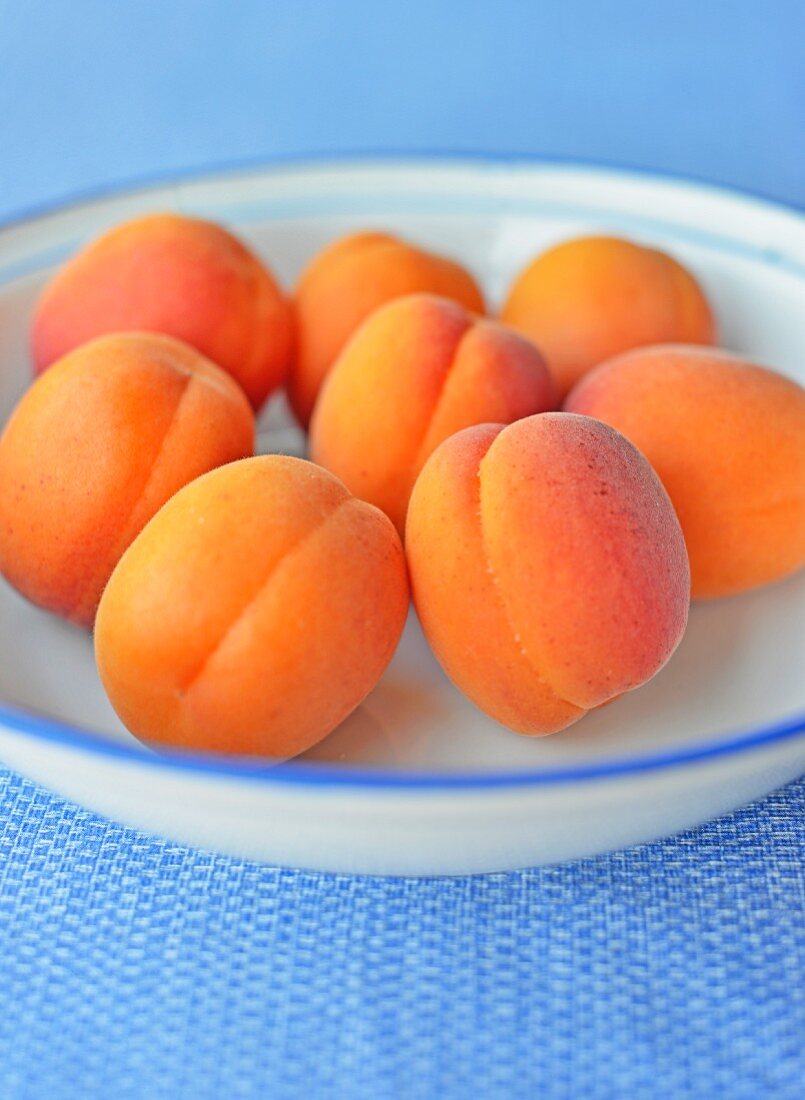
{"x": 133, "y": 968}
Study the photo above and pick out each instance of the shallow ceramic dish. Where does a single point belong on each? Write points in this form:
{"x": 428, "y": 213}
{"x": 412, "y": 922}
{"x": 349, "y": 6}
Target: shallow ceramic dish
{"x": 418, "y": 781}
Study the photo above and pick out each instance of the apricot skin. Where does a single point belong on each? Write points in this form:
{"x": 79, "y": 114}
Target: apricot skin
{"x": 344, "y": 284}
{"x": 95, "y": 448}
{"x": 547, "y": 567}
{"x": 181, "y": 276}
{"x": 418, "y": 370}
{"x": 727, "y": 439}
{"x": 590, "y": 298}
{"x": 254, "y": 612}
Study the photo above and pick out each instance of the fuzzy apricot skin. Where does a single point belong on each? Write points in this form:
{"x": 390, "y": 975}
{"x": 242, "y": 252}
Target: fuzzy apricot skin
{"x": 547, "y": 566}
{"x": 181, "y": 276}
{"x": 95, "y": 448}
{"x": 344, "y": 284}
{"x": 727, "y": 438}
{"x": 254, "y": 612}
{"x": 590, "y": 298}
{"x": 418, "y": 370}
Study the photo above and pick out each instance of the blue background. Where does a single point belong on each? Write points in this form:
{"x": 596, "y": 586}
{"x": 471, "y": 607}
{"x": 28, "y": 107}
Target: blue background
{"x": 133, "y": 968}
{"x": 93, "y": 93}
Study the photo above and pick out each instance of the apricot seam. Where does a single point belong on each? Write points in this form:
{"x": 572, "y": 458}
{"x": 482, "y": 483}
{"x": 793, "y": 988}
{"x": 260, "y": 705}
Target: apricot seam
{"x": 419, "y": 456}
{"x": 184, "y": 690}
{"x": 503, "y": 603}
{"x": 125, "y": 537}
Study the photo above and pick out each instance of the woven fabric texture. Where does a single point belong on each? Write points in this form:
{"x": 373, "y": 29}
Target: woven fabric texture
{"x": 134, "y": 968}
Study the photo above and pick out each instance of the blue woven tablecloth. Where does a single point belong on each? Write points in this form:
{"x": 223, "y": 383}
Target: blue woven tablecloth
{"x": 669, "y": 970}
{"x": 133, "y": 968}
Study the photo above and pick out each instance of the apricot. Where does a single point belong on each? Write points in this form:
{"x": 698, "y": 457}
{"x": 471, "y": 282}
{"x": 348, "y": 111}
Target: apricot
{"x": 418, "y": 370}
{"x": 253, "y": 613}
{"x": 181, "y": 276}
{"x": 590, "y": 298}
{"x": 548, "y": 568}
{"x": 727, "y": 439}
{"x": 344, "y": 284}
{"x": 95, "y": 448}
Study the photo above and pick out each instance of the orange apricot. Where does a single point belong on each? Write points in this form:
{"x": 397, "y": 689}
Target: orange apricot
{"x": 418, "y": 370}
{"x": 590, "y": 298}
{"x": 95, "y": 448}
{"x": 344, "y": 284}
{"x": 254, "y": 613}
{"x": 177, "y": 275}
{"x": 727, "y": 439}
{"x": 548, "y": 568}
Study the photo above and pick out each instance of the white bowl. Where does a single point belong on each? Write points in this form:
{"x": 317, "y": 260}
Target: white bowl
{"x": 418, "y": 781}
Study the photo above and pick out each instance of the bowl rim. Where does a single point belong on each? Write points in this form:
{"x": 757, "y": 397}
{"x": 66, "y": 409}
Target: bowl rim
{"x": 388, "y": 157}
{"x": 43, "y": 728}
{"x": 318, "y": 774}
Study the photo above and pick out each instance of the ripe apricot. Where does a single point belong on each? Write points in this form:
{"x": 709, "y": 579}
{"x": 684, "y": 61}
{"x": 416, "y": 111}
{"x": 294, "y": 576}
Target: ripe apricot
{"x": 547, "y": 566}
{"x": 587, "y": 299}
{"x": 727, "y": 439}
{"x": 181, "y": 276}
{"x": 418, "y": 370}
{"x": 95, "y": 448}
{"x": 346, "y": 282}
{"x": 254, "y": 613}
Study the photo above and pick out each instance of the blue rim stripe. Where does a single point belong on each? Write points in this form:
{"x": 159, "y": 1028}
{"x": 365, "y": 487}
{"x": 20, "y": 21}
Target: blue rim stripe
{"x": 310, "y": 773}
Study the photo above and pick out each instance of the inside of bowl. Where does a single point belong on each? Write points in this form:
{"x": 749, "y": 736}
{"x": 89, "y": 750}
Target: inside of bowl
{"x": 740, "y": 665}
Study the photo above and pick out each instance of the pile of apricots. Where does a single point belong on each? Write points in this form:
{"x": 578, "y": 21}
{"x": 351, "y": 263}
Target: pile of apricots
{"x": 551, "y": 486}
